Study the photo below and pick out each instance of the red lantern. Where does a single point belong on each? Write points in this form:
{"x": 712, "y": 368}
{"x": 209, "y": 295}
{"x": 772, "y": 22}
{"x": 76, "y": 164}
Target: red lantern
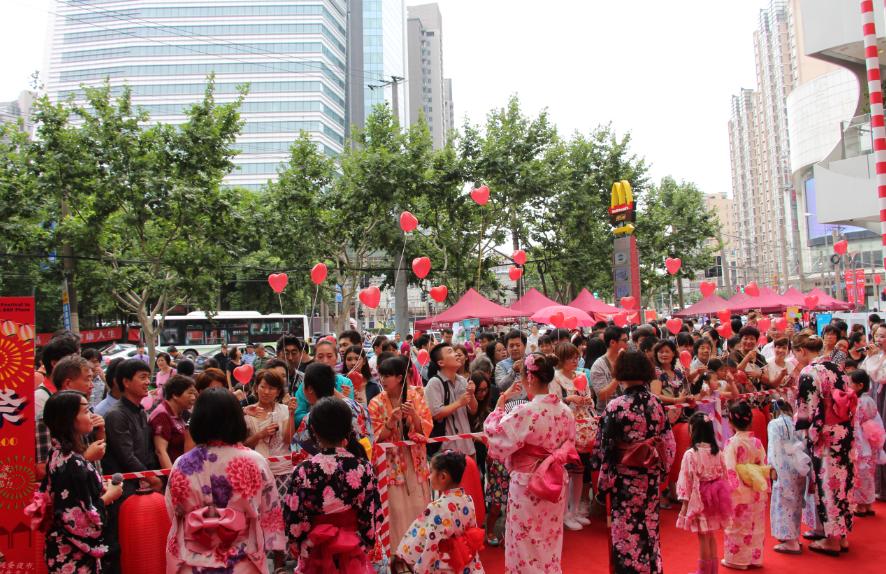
{"x": 144, "y": 526}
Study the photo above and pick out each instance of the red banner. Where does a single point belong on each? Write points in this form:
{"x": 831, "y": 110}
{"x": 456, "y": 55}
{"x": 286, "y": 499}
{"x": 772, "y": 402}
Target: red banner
{"x": 859, "y": 287}
{"x": 16, "y": 433}
{"x": 849, "y": 279}
{"x": 91, "y": 336}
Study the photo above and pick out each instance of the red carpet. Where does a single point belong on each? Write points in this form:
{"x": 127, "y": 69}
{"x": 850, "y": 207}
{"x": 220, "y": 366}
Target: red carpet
{"x": 586, "y": 551}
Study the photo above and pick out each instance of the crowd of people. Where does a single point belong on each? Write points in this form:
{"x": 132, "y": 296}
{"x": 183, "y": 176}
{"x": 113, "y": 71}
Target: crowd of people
{"x": 279, "y": 469}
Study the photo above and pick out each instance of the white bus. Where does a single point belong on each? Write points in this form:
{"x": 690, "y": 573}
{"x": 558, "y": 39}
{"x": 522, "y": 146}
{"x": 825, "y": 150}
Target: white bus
{"x": 195, "y": 333}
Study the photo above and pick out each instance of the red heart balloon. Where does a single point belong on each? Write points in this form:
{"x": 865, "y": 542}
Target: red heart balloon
{"x": 439, "y": 293}
{"x": 752, "y": 289}
{"x": 877, "y": 279}
{"x": 421, "y": 266}
{"x": 685, "y": 359}
{"x": 725, "y": 315}
{"x": 580, "y": 383}
{"x": 408, "y": 222}
{"x": 781, "y": 324}
{"x": 763, "y": 324}
{"x": 515, "y": 273}
{"x": 519, "y": 257}
{"x": 480, "y": 195}
{"x": 674, "y": 325}
{"x": 570, "y": 322}
{"x": 724, "y": 330}
{"x": 423, "y": 357}
{"x": 762, "y": 340}
{"x": 841, "y": 246}
{"x": 319, "y": 273}
{"x": 278, "y": 281}
{"x": 557, "y": 319}
{"x": 243, "y": 373}
{"x": 371, "y": 296}
{"x": 357, "y": 380}
{"x": 707, "y": 288}
{"x": 673, "y": 264}
{"x": 620, "y": 320}
{"x": 628, "y": 302}
{"x": 810, "y": 302}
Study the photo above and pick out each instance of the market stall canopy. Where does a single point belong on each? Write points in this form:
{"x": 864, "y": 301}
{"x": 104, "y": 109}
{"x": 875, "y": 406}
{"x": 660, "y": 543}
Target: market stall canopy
{"x": 794, "y": 297}
{"x": 590, "y": 304}
{"x": 828, "y": 303}
{"x": 562, "y": 315}
{"x": 708, "y": 306}
{"x": 768, "y": 301}
{"x": 531, "y": 302}
{"x": 472, "y": 305}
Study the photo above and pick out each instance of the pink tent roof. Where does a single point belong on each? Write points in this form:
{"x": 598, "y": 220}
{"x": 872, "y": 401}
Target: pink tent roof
{"x": 472, "y": 305}
{"x": 590, "y": 304}
{"x": 707, "y": 306}
{"x": 532, "y": 301}
{"x": 828, "y": 303}
{"x": 794, "y": 297}
{"x": 768, "y": 301}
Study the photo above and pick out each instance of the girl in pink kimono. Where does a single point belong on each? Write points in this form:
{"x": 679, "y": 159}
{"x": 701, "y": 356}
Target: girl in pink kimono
{"x": 869, "y": 437}
{"x": 535, "y": 440}
{"x": 749, "y": 475}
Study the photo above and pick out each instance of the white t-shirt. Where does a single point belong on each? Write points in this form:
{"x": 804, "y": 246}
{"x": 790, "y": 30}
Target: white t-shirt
{"x": 275, "y": 445}
{"x": 773, "y": 370}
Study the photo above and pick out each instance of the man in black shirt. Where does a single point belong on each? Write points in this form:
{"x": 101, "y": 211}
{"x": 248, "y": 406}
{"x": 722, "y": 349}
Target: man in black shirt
{"x": 222, "y": 358}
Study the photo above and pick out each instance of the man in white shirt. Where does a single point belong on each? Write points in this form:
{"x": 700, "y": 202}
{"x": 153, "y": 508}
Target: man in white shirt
{"x": 461, "y": 397}
{"x": 606, "y": 387}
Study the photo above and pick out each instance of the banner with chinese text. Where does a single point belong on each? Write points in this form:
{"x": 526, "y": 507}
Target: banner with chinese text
{"x": 17, "y": 543}
{"x": 849, "y": 277}
{"x": 859, "y": 287}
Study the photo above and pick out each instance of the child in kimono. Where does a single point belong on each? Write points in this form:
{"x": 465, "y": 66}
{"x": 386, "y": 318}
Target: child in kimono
{"x": 869, "y": 438}
{"x": 749, "y": 476}
{"x": 704, "y": 491}
{"x": 445, "y": 538}
{"x": 790, "y": 465}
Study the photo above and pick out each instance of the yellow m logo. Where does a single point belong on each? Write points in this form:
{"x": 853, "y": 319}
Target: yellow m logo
{"x": 622, "y": 194}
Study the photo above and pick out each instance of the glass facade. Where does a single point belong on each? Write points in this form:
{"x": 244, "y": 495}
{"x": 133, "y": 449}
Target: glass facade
{"x": 290, "y": 54}
{"x": 383, "y": 47}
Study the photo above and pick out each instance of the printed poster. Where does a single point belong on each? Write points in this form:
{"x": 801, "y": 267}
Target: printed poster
{"x": 17, "y": 541}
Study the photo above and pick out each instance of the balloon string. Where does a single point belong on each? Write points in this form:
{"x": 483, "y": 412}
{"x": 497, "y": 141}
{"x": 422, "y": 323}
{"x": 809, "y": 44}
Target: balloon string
{"x": 397, "y": 276}
{"x": 280, "y": 299}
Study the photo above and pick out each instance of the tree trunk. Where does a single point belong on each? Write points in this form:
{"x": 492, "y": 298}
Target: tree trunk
{"x": 679, "y": 291}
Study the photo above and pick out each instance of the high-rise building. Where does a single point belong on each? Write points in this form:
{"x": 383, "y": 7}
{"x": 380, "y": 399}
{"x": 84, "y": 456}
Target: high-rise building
{"x": 430, "y": 93}
{"x": 724, "y": 271}
{"x": 292, "y": 54}
{"x": 18, "y": 109}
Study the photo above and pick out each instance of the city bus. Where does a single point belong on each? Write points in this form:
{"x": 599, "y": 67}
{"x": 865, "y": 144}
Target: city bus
{"x": 195, "y": 333}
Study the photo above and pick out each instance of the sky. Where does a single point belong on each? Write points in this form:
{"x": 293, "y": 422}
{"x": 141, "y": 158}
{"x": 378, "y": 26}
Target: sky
{"x": 663, "y": 71}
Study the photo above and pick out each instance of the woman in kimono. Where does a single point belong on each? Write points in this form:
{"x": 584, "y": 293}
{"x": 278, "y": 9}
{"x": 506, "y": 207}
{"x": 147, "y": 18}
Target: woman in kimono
{"x": 634, "y": 450}
{"x": 72, "y": 490}
{"x": 222, "y": 498}
{"x": 790, "y": 465}
{"x": 875, "y": 365}
{"x": 535, "y": 440}
{"x": 825, "y": 411}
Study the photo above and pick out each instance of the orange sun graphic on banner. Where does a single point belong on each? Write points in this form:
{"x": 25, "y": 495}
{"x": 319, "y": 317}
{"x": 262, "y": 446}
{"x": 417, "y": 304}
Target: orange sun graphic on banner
{"x": 15, "y": 356}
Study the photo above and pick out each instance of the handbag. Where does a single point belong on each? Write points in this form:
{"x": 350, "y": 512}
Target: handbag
{"x": 439, "y": 428}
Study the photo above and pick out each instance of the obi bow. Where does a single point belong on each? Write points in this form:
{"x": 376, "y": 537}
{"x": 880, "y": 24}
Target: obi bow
{"x": 209, "y": 528}
{"x": 462, "y": 549}
{"x": 842, "y": 405}
{"x": 650, "y": 453}
{"x": 546, "y": 467}
{"x": 336, "y": 546}
{"x": 40, "y": 511}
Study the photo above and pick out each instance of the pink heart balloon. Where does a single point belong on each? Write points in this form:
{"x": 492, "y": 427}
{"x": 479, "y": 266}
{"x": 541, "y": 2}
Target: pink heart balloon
{"x": 841, "y": 246}
{"x": 421, "y": 266}
{"x": 674, "y": 325}
{"x": 423, "y": 357}
{"x": 781, "y": 324}
{"x": 515, "y": 273}
{"x": 319, "y": 273}
{"x": 408, "y": 222}
{"x": 570, "y": 322}
{"x": 724, "y": 330}
{"x": 278, "y": 281}
{"x": 243, "y": 373}
{"x": 439, "y": 293}
{"x": 519, "y": 257}
{"x": 357, "y": 380}
{"x": 371, "y": 296}
{"x": 810, "y": 302}
{"x": 580, "y": 383}
{"x": 707, "y": 288}
{"x": 752, "y": 289}
{"x": 620, "y": 320}
{"x": 764, "y": 324}
{"x": 628, "y": 302}
{"x": 725, "y": 315}
{"x": 673, "y": 264}
{"x": 877, "y": 279}
{"x": 557, "y": 319}
{"x": 480, "y": 195}
{"x": 685, "y": 359}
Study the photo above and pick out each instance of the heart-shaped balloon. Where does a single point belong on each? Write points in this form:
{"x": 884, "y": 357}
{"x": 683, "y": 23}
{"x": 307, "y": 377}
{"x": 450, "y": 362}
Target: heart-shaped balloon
{"x": 628, "y": 302}
{"x": 515, "y": 273}
{"x": 752, "y": 289}
{"x": 408, "y": 222}
{"x": 421, "y": 266}
{"x": 810, "y": 302}
{"x": 580, "y": 383}
{"x": 725, "y": 315}
{"x": 762, "y": 340}
{"x": 319, "y": 273}
{"x": 519, "y": 257}
{"x": 685, "y": 359}
{"x": 439, "y": 293}
{"x": 620, "y": 320}
{"x": 570, "y": 322}
{"x": 673, "y": 264}
{"x": 557, "y": 319}
{"x": 763, "y": 324}
{"x": 674, "y": 325}
{"x": 357, "y": 380}
{"x": 724, "y": 330}
{"x": 480, "y": 195}
{"x": 877, "y": 279}
{"x": 707, "y": 288}
{"x": 371, "y": 296}
{"x": 841, "y": 246}
{"x": 781, "y": 324}
{"x": 278, "y": 281}
{"x": 243, "y": 373}
{"x": 423, "y": 357}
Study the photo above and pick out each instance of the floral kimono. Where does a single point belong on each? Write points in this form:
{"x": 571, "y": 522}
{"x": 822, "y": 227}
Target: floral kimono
{"x": 448, "y": 522}
{"x": 875, "y": 365}
{"x": 787, "y": 455}
{"x": 749, "y": 475}
{"x": 74, "y": 541}
{"x": 225, "y": 511}
{"x": 829, "y": 439}
{"x": 535, "y": 441}
{"x": 332, "y": 513}
{"x": 303, "y": 445}
{"x": 869, "y": 436}
{"x": 634, "y": 422}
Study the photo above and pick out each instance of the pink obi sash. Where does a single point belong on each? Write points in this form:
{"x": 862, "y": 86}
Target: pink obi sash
{"x": 462, "y": 549}
{"x": 336, "y": 546}
{"x": 649, "y": 453}
{"x": 207, "y": 533}
{"x": 547, "y": 468}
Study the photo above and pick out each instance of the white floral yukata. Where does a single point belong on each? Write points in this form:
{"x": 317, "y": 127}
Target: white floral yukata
{"x": 788, "y": 490}
{"x": 744, "y": 535}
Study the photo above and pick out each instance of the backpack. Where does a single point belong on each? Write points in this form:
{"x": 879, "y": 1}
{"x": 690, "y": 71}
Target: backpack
{"x": 439, "y": 426}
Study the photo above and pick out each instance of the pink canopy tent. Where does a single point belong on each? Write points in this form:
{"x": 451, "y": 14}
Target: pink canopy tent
{"x": 531, "y": 302}
{"x": 828, "y": 303}
{"x": 769, "y": 301}
{"x": 707, "y": 306}
{"x": 794, "y": 298}
{"x": 590, "y": 304}
{"x": 472, "y": 305}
